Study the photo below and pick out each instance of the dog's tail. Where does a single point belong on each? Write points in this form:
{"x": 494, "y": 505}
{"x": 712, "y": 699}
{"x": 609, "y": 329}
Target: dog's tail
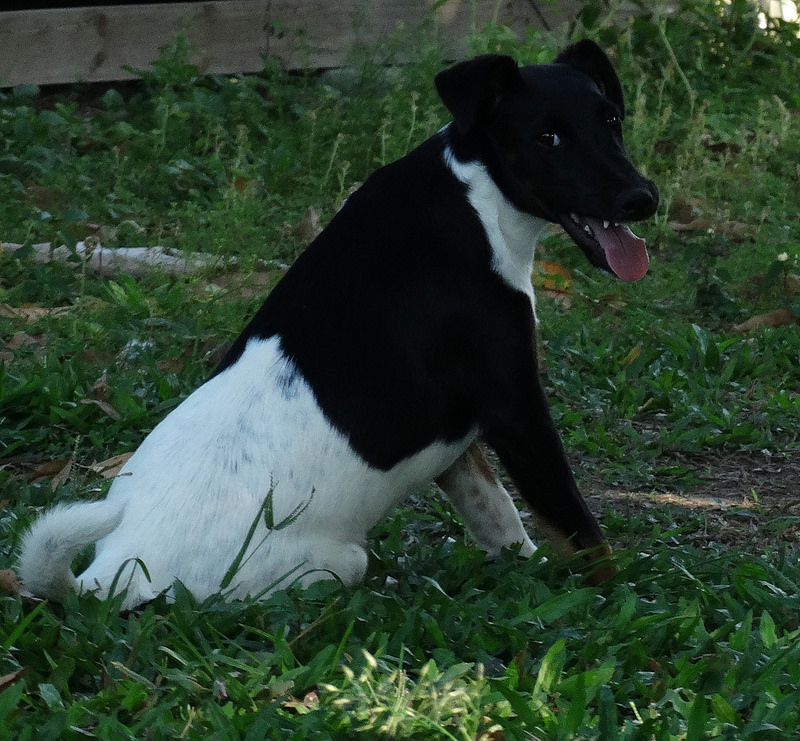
{"x": 48, "y": 548}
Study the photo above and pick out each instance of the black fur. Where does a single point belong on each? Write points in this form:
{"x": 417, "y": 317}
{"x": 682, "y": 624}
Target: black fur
{"x": 394, "y": 314}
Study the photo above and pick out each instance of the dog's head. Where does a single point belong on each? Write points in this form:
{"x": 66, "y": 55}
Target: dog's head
{"x": 550, "y": 136}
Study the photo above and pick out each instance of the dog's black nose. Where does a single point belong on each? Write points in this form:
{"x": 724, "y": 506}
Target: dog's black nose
{"x": 636, "y": 203}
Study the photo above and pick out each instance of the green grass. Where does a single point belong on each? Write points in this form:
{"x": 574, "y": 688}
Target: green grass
{"x": 692, "y": 640}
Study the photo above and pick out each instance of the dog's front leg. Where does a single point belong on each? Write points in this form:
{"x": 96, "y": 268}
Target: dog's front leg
{"x": 528, "y": 445}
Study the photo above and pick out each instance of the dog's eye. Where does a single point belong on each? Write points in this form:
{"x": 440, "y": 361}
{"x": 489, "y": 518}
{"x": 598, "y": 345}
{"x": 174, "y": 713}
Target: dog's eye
{"x": 549, "y": 139}
{"x": 612, "y": 119}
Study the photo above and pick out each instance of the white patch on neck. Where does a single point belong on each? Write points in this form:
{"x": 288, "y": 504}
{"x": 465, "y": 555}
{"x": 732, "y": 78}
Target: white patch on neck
{"x": 512, "y": 233}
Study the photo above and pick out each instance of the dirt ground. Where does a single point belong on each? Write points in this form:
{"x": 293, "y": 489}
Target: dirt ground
{"x": 746, "y": 501}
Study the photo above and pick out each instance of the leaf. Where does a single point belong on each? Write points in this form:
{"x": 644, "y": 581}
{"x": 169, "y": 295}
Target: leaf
{"x": 549, "y": 673}
{"x": 49, "y": 469}
{"x": 100, "y": 389}
{"x": 105, "y": 406}
{"x": 696, "y": 726}
{"x": 30, "y": 313}
{"x": 110, "y": 467}
{"x": 766, "y": 627}
{"x": 562, "y": 604}
{"x": 9, "y": 584}
{"x": 309, "y": 226}
{"x": 699, "y": 224}
{"x": 553, "y": 278}
{"x": 62, "y": 476}
{"x": 778, "y": 318}
{"x": 9, "y": 679}
{"x": 519, "y": 702}
{"x": 51, "y": 696}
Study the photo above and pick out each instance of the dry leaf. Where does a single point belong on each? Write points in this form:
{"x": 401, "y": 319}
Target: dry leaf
{"x": 552, "y": 276}
{"x": 30, "y": 313}
{"x": 110, "y": 467}
{"x": 100, "y": 389}
{"x": 22, "y": 339}
{"x": 684, "y": 210}
{"x": 553, "y": 280}
{"x": 105, "y": 406}
{"x": 9, "y": 584}
{"x": 699, "y": 224}
{"x": 62, "y": 476}
{"x": 736, "y": 231}
{"x": 49, "y": 469}
{"x": 309, "y": 227}
{"x": 559, "y": 296}
{"x": 8, "y": 679}
{"x": 170, "y": 365}
{"x": 777, "y": 318}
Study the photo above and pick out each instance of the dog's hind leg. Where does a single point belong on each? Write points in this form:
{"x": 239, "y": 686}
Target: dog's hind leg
{"x": 345, "y": 561}
{"x": 304, "y": 558}
{"x": 483, "y": 503}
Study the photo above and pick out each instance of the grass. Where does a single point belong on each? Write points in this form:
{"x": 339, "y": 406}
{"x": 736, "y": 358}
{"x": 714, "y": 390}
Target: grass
{"x": 692, "y": 640}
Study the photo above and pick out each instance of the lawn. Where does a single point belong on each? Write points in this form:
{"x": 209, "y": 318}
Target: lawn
{"x": 678, "y": 399}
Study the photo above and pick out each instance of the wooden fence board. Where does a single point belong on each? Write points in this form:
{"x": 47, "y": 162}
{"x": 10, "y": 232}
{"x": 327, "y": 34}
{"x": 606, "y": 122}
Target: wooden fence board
{"x": 94, "y": 43}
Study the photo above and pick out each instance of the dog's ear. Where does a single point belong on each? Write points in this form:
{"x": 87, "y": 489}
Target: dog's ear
{"x": 589, "y": 58}
{"x": 472, "y": 89}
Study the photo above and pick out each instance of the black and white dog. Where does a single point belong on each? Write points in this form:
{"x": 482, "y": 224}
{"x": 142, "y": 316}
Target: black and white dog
{"x": 403, "y": 332}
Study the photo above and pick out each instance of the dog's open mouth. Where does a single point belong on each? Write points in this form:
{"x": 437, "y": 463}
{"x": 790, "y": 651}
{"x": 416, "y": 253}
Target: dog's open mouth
{"x": 608, "y": 245}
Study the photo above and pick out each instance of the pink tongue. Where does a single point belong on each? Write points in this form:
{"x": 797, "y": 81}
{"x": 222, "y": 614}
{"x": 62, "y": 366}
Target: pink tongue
{"x": 626, "y": 253}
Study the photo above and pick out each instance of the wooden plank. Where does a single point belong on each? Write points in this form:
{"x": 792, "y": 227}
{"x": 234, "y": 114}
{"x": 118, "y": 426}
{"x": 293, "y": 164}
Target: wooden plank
{"x": 93, "y": 44}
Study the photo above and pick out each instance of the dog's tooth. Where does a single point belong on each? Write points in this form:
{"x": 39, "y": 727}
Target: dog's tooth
{"x": 605, "y": 224}
{"x": 587, "y": 229}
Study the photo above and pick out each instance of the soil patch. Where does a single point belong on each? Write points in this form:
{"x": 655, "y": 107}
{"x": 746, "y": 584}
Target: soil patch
{"x": 746, "y": 501}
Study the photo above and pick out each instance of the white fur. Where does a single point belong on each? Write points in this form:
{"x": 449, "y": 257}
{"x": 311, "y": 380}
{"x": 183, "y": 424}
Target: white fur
{"x": 182, "y": 506}
{"x": 191, "y": 491}
{"x": 484, "y": 505}
{"x": 512, "y": 233}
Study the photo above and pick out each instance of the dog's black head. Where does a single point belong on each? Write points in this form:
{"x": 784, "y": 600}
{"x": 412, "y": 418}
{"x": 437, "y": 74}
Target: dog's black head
{"x": 551, "y": 138}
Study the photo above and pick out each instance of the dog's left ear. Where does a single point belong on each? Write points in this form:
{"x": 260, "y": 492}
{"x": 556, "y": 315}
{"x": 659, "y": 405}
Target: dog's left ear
{"x": 472, "y": 89}
{"x": 589, "y": 58}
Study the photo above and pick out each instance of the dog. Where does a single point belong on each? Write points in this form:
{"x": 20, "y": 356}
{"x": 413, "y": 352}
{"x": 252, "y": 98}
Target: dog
{"x": 403, "y": 333}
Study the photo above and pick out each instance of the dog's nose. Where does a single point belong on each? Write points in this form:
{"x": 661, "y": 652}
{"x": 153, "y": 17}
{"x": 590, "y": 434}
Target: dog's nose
{"x": 637, "y": 203}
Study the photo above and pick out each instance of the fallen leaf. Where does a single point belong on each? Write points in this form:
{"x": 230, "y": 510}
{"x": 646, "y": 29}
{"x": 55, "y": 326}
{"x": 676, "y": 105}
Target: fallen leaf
{"x": 30, "y": 313}
{"x": 105, "y": 406}
{"x": 736, "y": 231}
{"x": 683, "y": 210}
{"x": 22, "y": 339}
{"x": 553, "y": 280}
{"x": 8, "y": 679}
{"x": 62, "y": 476}
{"x": 171, "y": 365}
{"x": 698, "y": 224}
{"x": 559, "y": 296}
{"x": 552, "y": 268}
{"x": 100, "y": 389}
{"x": 110, "y": 467}
{"x": 309, "y": 227}
{"x": 777, "y": 318}
{"x": 49, "y": 469}
{"x": 634, "y": 353}
{"x": 9, "y": 584}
